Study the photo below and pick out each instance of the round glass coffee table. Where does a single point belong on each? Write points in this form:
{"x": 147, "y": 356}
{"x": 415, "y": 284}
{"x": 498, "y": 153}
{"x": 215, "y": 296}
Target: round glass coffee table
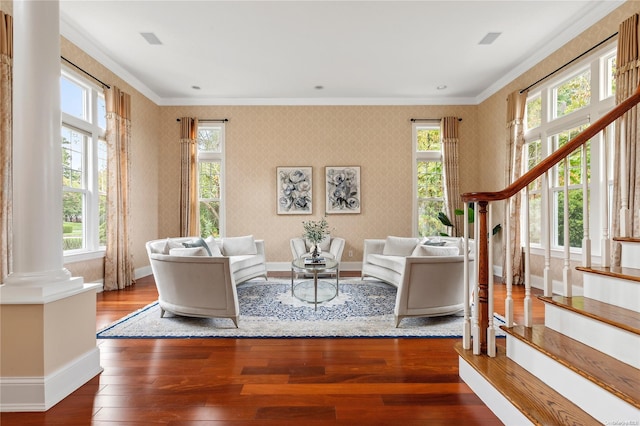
{"x": 315, "y": 291}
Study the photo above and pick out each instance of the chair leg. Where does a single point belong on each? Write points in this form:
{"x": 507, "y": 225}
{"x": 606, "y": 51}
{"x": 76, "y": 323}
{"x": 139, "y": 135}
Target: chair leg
{"x": 235, "y": 321}
{"x": 161, "y": 313}
{"x": 398, "y": 320}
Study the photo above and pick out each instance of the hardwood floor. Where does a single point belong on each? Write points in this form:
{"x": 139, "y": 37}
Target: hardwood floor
{"x": 268, "y": 381}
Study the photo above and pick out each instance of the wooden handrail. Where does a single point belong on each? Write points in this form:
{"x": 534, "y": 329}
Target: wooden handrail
{"x": 556, "y": 156}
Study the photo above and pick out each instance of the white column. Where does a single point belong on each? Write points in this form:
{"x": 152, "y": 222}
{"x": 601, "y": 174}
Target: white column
{"x": 37, "y": 156}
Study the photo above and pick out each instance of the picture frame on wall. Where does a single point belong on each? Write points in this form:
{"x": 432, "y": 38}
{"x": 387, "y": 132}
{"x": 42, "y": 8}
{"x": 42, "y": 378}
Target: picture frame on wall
{"x": 294, "y": 190}
{"x": 342, "y": 189}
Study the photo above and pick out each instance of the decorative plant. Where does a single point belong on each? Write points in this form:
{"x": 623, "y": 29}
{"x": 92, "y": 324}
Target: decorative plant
{"x": 442, "y": 217}
{"x": 315, "y": 232}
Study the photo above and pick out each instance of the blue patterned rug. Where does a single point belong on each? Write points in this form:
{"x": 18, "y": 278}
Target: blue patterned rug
{"x": 267, "y": 309}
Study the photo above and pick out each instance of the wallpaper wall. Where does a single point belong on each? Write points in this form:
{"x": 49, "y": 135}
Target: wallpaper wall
{"x": 261, "y": 138}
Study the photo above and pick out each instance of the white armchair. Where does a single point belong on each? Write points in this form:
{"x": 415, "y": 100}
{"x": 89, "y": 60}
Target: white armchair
{"x": 194, "y": 286}
{"x": 432, "y": 286}
{"x": 331, "y": 248}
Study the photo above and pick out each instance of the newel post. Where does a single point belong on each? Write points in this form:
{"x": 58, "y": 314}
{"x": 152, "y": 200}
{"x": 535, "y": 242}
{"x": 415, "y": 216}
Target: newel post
{"x": 483, "y": 276}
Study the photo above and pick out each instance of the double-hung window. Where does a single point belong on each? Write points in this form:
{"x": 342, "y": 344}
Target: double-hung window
{"x": 84, "y": 166}
{"x": 428, "y": 179}
{"x": 555, "y": 113}
{"x": 211, "y": 178}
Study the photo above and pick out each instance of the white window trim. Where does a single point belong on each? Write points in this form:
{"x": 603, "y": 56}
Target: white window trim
{"x": 550, "y": 126}
{"x": 210, "y": 156}
{"x": 95, "y": 133}
{"x": 420, "y": 156}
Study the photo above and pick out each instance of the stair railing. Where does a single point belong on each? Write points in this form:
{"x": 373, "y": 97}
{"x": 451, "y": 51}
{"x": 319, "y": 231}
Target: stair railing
{"x": 478, "y": 331}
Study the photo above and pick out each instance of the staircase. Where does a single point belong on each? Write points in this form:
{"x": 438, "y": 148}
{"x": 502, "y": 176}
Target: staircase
{"x": 581, "y": 367}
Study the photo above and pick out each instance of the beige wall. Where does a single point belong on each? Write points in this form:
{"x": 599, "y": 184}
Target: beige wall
{"x": 261, "y": 138}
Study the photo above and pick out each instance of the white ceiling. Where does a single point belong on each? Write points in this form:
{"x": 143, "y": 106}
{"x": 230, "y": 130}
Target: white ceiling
{"x": 360, "y": 52}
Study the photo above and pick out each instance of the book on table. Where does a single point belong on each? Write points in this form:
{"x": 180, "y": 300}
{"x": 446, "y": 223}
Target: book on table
{"x": 314, "y": 261}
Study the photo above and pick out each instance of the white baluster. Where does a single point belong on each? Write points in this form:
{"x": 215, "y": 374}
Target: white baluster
{"x": 586, "y": 239}
{"x": 605, "y": 244}
{"x": 546, "y": 233}
{"x": 528, "y": 304}
{"x": 491, "y": 332}
{"x": 508, "y": 302}
{"x": 624, "y": 186}
{"x": 476, "y": 325}
{"x": 466, "y": 326}
{"x": 566, "y": 270}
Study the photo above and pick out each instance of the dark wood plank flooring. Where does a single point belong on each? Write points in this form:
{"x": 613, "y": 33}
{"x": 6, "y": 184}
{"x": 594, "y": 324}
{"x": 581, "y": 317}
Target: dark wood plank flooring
{"x": 269, "y": 381}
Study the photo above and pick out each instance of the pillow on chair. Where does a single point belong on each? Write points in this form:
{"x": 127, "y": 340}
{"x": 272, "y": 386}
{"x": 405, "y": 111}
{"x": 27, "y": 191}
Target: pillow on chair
{"x": 425, "y": 250}
{"x": 199, "y": 242}
{"x": 188, "y": 251}
{"x": 214, "y": 248}
{"x": 399, "y": 246}
{"x": 239, "y": 246}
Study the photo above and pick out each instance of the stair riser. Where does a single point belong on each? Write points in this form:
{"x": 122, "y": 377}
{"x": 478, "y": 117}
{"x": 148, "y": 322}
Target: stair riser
{"x": 593, "y": 399}
{"x": 501, "y": 407}
{"x": 614, "y": 291}
{"x": 613, "y": 341}
{"x": 630, "y": 257}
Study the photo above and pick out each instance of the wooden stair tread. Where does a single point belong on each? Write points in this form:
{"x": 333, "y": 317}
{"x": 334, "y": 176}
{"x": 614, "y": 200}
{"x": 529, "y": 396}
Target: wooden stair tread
{"x": 607, "y": 372}
{"x": 537, "y": 401}
{"x": 631, "y": 274}
{"x": 625, "y": 319}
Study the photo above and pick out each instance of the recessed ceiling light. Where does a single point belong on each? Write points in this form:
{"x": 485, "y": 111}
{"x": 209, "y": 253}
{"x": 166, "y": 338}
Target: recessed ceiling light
{"x": 195, "y": 87}
{"x": 489, "y": 38}
{"x": 319, "y": 87}
{"x": 151, "y": 38}
{"x": 442, "y": 87}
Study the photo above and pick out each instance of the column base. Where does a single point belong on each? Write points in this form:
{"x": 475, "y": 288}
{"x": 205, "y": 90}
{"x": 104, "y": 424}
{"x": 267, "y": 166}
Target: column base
{"x": 37, "y": 293}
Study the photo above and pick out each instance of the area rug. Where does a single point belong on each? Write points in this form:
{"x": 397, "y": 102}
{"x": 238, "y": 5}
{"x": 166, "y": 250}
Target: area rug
{"x": 268, "y": 310}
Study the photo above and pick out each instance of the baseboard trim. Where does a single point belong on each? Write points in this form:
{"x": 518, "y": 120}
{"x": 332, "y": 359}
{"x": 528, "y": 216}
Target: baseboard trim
{"x": 28, "y": 394}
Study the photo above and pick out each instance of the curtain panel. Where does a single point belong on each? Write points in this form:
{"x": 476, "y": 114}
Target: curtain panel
{"x": 188, "y": 177}
{"x": 118, "y": 270}
{"x": 449, "y": 129}
{"x": 516, "y": 104}
{"x": 627, "y": 63}
{"x": 6, "y": 148}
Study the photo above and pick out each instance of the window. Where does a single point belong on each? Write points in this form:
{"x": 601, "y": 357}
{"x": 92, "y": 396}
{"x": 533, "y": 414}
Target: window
{"x": 211, "y": 178}
{"x": 84, "y": 165}
{"x": 428, "y": 178}
{"x": 555, "y": 114}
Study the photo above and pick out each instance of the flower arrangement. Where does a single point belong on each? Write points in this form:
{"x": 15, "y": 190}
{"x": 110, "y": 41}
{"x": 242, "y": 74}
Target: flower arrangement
{"x": 315, "y": 231}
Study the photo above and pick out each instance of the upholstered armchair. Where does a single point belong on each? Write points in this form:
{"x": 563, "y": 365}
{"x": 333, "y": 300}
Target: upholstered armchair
{"x": 432, "y": 286}
{"x": 194, "y": 286}
{"x": 331, "y": 248}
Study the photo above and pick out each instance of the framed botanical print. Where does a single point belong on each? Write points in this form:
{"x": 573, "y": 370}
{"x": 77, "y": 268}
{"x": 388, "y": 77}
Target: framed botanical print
{"x": 293, "y": 190}
{"x": 343, "y": 189}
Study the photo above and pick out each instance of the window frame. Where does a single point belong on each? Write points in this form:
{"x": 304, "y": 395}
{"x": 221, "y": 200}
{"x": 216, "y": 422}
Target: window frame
{"x": 95, "y": 135}
{"x": 424, "y": 156}
{"x": 602, "y": 100}
{"x": 214, "y": 157}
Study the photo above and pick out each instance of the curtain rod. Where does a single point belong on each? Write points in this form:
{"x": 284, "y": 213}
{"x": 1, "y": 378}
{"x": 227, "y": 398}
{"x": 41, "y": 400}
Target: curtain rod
{"x": 223, "y": 120}
{"x": 90, "y": 75}
{"x": 570, "y": 62}
{"x": 413, "y": 120}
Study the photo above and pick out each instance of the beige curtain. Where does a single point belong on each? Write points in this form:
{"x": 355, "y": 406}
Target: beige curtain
{"x": 6, "y": 157}
{"x": 449, "y": 130}
{"x": 627, "y": 79}
{"x": 516, "y": 103}
{"x": 118, "y": 268}
{"x": 188, "y": 178}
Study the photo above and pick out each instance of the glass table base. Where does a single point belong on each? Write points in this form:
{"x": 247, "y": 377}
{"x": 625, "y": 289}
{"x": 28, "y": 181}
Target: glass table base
{"x": 305, "y": 291}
